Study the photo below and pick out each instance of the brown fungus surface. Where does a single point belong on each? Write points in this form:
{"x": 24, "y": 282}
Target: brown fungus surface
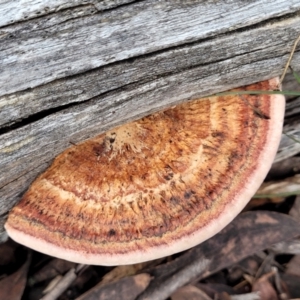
{"x": 153, "y": 187}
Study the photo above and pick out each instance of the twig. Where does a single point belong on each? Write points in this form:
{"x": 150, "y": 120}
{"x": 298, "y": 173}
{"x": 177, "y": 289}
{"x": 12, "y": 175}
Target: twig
{"x": 62, "y": 285}
{"x": 249, "y": 296}
{"x": 287, "y": 247}
{"x": 266, "y": 263}
{"x": 277, "y": 281}
{"x": 289, "y": 60}
{"x": 291, "y": 137}
{"x": 178, "y": 280}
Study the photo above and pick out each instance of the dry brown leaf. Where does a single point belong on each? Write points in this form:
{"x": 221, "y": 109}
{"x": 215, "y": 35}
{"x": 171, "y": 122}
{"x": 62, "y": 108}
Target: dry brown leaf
{"x": 12, "y": 287}
{"x": 249, "y": 233}
{"x": 189, "y": 292}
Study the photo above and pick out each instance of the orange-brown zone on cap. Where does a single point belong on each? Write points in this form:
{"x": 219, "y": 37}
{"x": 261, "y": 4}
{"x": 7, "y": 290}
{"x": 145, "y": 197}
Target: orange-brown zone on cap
{"x": 149, "y": 182}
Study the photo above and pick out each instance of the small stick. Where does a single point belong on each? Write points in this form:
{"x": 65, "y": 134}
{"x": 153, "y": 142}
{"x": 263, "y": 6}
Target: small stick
{"x": 65, "y": 282}
{"x": 181, "y": 278}
{"x": 289, "y": 60}
{"x": 266, "y": 263}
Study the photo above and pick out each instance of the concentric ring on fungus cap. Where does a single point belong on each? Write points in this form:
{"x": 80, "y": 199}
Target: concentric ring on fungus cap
{"x": 153, "y": 187}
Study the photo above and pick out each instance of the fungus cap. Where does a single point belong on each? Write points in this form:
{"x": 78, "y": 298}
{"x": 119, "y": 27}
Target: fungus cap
{"x": 153, "y": 187}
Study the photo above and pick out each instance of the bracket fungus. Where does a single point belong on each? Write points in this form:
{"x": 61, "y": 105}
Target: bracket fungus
{"x": 153, "y": 187}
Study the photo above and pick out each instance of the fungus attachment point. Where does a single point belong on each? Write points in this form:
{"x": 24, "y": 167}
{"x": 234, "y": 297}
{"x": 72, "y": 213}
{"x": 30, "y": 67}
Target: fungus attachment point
{"x": 153, "y": 187}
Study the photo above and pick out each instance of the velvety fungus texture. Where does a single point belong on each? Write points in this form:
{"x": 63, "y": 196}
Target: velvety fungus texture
{"x": 155, "y": 186}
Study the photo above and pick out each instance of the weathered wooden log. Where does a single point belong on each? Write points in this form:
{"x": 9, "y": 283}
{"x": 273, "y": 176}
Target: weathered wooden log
{"x": 71, "y": 70}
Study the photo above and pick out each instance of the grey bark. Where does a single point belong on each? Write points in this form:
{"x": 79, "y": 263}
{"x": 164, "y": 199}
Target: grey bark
{"x": 71, "y": 70}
